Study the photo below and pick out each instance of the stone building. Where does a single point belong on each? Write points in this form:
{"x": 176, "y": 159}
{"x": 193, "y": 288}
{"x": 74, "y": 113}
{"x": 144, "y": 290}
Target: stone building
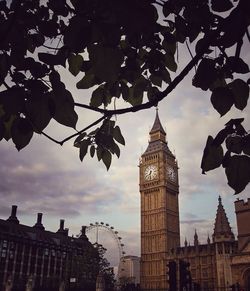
{"x": 216, "y": 265}
{"x": 32, "y": 258}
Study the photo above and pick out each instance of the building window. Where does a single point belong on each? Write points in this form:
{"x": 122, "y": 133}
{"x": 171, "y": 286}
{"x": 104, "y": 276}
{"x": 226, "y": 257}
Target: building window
{"x": 5, "y": 244}
{"x": 46, "y": 252}
{"x": 227, "y": 249}
{"x": 11, "y": 255}
{"x": 4, "y": 252}
{"x": 53, "y": 253}
{"x": 204, "y": 260}
{"x": 204, "y": 272}
{"x": 220, "y": 250}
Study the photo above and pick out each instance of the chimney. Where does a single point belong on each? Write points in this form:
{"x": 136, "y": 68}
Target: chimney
{"x": 83, "y": 233}
{"x": 13, "y": 217}
{"x": 61, "y": 229}
{"x": 39, "y": 224}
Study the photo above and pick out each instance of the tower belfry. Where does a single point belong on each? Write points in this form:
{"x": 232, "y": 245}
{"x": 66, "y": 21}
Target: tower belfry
{"x": 159, "y": 189}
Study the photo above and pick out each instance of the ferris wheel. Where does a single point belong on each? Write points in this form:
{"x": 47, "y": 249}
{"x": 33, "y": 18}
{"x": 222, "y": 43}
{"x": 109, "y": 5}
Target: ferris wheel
{"x": 98, "y": 229}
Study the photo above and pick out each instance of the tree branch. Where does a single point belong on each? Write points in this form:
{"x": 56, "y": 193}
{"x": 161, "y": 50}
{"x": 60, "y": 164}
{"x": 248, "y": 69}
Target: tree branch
{"x": 160, "y": 95}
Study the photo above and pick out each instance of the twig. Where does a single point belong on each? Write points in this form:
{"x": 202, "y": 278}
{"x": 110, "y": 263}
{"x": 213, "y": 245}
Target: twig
{"x": 84, "y": 129}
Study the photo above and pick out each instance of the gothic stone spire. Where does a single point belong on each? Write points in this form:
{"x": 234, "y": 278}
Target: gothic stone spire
{"x": 222, "y": 229}
{"x": 157, "y": 127}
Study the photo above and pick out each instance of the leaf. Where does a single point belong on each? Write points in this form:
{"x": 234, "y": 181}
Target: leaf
{"x": 152, "y": 93}
{"x": 246, "y": 144}
{"x": 83, "y": 148}
{"x": 212, "y": 156}
{"x": 115, "y": 149}
{"x": 99, "y": 152}
{"x": 165, "y": 76}
{"x": 106, "y": 62}
{"x": 97, "y": 97}
{"x": 170, "y": 62}
{"x": 86, "y": 82}
{"x": 118, "y": 135}
{"x": 106, "y": 158}
{"x": 221, "y": 5}
{"x": 156, "y": 80}
{"x": 2, "y": 129}
{"x": 238, "y": 172}
{"x": 79, "y": 138}
{"x": 92, "y": 151}
{"x": 206, "y": 74}
{"x": 38, "y": 111}
{"x": 21, "y": 132}
{"x": 221, "y": 136}
{"x": 240, "y": 90}
{"x": 78, "y": 34}
{"x": 222, "y": 99}
{"x": 64, "y": 108}
{"x": 234, "y": 144}
{"x": 3, "y": 67}
{"x": 75, "y": 64}
{"x": 125, "y": 91}
{"x": 50, "y": 59}
{"x": 237, "y": 65}
{"x": 8, "y": 125}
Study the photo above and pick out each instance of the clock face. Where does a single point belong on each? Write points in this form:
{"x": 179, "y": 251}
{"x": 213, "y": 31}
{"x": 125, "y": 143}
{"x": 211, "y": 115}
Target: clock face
{"x": 150, "y": 172}
{"x": 171, "y": 174}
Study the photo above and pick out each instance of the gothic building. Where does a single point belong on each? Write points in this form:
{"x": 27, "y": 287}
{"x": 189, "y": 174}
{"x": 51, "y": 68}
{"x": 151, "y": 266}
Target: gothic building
{"x": 32, "y": 258}
{"x": 160, "y": 231}
{"x": 216, "y": 265}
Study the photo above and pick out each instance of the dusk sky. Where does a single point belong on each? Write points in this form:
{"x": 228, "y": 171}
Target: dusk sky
{"x": 45, "y": 177}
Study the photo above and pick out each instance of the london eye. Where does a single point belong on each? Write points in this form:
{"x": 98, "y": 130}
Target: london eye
{"x": 101, "y": 233}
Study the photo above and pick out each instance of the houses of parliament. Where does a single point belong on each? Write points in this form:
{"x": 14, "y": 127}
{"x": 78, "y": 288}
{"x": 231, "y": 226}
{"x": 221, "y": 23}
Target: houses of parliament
{"x": 223, "y": 263}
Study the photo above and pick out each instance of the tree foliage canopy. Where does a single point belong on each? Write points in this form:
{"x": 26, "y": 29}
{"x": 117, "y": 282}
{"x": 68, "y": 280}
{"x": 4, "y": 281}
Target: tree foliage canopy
{"x": 121, "y": 49}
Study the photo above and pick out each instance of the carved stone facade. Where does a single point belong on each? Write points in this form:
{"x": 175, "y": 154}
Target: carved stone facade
{"x": 216, "y": 265}
{"x": 32, "y": 258}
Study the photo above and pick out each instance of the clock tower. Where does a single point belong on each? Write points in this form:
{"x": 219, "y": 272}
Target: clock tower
{"x": 159, "y": 189}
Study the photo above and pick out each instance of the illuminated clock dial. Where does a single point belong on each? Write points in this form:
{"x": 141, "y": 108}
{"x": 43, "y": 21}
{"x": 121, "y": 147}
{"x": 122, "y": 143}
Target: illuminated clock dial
{"x": 150, "y": 172}
{"x": 171, "y": 174}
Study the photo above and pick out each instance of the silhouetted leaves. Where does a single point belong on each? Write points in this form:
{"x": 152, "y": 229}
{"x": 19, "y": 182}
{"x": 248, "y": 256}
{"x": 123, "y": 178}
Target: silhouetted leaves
{"x": 238, "y": 172}
{"x": 240, "y": 90}
{"x": 212, "y": 156}
{"x": 118, "y": 136}
{"x": 39, "y": 111}
{"x": 222, "y": 99}
{"x": 75, "y": 64}
{"x": 119, "y": 48}
{"x": 88, "y": 81}
{"x": 221, "y": 5}
{"x": 21, "y": 132}
{"x": 206, "y": 74}
{"x": 106, "y": 62}
{"x": 83, "y": 148}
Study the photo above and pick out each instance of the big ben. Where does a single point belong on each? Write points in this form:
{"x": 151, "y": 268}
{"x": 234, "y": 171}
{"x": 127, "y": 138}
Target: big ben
{"x": 159, "y": 189}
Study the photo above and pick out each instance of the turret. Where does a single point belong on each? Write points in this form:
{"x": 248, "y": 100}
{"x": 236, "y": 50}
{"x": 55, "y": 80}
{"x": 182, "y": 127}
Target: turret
{"x": 222, "y": 229}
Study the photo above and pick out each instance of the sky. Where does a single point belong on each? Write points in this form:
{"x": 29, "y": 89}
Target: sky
{"x": 45, "y": 177}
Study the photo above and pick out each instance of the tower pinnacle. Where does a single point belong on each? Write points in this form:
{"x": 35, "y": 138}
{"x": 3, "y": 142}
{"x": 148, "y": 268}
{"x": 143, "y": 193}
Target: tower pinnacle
{"x": 157, "y": 125}
{"x": 222, "y": 229}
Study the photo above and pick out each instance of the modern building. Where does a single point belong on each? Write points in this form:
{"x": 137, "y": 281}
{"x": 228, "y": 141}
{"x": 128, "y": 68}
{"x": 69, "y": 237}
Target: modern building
{"x": 129, "y": 270}
{"x": 32, "y": 258}
{"x": 216, "y": 265}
